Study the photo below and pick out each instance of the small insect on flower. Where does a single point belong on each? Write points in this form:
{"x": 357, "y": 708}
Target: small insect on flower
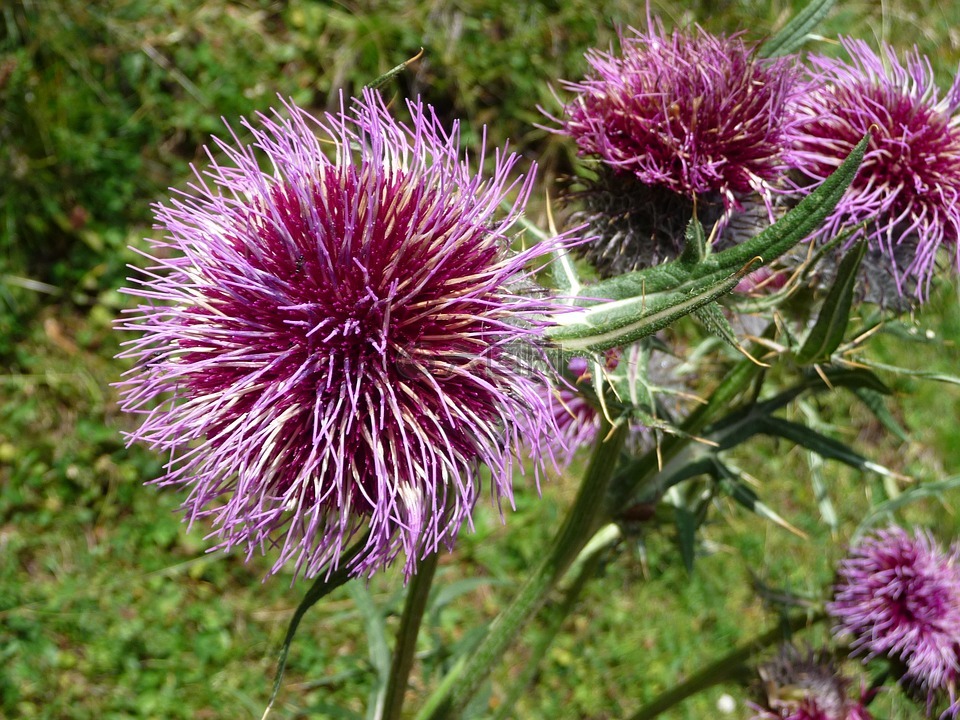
{"x": 334, "y": 343}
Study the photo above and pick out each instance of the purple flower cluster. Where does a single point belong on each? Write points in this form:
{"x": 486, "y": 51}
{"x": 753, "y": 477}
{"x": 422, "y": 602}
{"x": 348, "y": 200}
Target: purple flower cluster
{"x": 692, "y": 123}
{"x": 682, "y": 123}
{"x": 898, "y": 596}
{"x": 908, "y": 187}
{"x": 693, "y": 112}
{"x": 332, "y": 343}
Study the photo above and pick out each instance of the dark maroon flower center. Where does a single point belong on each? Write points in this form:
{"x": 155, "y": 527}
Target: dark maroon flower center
{"x": 349, "y": 305}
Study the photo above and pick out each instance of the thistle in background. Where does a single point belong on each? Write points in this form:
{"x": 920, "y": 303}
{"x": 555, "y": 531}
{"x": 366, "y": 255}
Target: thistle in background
{"x": 898, "y": 596}
{"x": 680, "y": 123}
{"x": 908, "y": 187}
{"x": 334, "y": 343}
{"x": 806, "y": 686}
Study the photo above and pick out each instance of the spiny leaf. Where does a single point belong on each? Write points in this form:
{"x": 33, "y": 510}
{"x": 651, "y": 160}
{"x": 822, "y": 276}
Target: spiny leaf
{"x": 619, "y": 323}
{"x": 695, "y": 248}
{"x": 732, "y": 483}
{"x": 827, "y": 333}
{"x": 853, "y": 378}
{"x": 377, "y": 647}
{"x": 875, "y": 402}
{"x": 911, "y": 495}
{"x": 827, "y": 512}
{"x": 715, "y": 322}
{"x": 772, "y": 242}
{"x": 925, "y": 374}
{"x": 792, "y": 36}
{"x": 391, "y": 73}
{"x": 825, "y": 447}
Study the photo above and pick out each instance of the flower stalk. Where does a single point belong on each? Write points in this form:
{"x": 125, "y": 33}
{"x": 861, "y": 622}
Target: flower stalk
{"x": 583, "y": 520}
{"x": 418, "y": 591}
{"x": 723, "y": 668}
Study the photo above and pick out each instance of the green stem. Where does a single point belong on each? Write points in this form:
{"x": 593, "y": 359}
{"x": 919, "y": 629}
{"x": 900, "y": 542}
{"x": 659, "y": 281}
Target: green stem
{"x": 725, "y": 668}
{"x": 585, "y": 568}
{"x": 583, "y": 520}
{"x": 322, "y": 586}
{"x": 416, "y": 603}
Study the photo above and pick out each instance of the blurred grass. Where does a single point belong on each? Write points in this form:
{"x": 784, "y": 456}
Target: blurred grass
{"x": 108, "y": 607}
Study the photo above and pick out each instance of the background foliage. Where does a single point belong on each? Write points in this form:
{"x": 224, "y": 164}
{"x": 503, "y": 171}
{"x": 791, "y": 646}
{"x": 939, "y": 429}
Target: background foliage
{"x": 108, "y": 606}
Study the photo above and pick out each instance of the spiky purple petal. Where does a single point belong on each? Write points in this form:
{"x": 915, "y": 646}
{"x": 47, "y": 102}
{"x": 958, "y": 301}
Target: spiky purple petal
{"x": 682, "y": 123}
{"x": 798, "y": 685}
{"x": 692, "y": 112}
{"x": 333, "y": 343}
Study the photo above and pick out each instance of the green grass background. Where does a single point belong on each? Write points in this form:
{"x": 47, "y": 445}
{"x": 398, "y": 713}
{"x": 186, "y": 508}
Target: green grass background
{"x": 109, "y": 608}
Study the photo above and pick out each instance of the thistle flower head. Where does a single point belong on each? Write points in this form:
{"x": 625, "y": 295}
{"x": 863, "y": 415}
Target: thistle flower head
{"x": 691, "y": 112}
{"x": 806, "y": 686}
{"x": 677, "y": 118}
{"x": 898, "y": 596}
{"x": 333, "y": 343}
{"x": 908, "y": 186}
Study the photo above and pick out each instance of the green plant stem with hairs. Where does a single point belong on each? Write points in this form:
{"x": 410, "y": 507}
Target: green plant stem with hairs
{"x": 582, "y": 521}
{"x": 724, "y": 668}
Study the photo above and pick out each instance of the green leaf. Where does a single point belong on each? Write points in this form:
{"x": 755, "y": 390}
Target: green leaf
{"x": 695, "y": 248}
{"x": 853, "y": 379}
{"x": 321, "y": 587}
{"x": 885, "y": 510}
{"x": 876, "y": 404}
{"x": 649, "y": 300}
{"x": 377, "y": 647}
{"x": 732, "y": 483}
{"x": 831, "y": 325}
{"x": 925, "y": 374}
{"x": 825, "y": 447}
{"x": 716, "y": 323}
{"x": 621, "y": 322}
{"x": 792, "y": 36}
{"x": 827, "y": 512}
{"x": 393, "y": 72}
{"x": 452, "y": 591}
{"x": 699, "y": 465}
{"x": 774, "y": 299}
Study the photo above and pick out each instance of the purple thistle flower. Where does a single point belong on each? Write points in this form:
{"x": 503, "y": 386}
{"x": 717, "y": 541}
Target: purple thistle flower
{"x": 898, "y": 596}
{"x": 806, "y": 686}
{"x": 908, "y": 187}
{"x": 334, "y": 344}
{"x": 675, "y": 119}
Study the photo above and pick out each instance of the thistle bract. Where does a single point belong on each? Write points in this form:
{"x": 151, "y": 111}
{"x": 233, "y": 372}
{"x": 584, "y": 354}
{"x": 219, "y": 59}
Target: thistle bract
{"x": 908, "y": 186}
{"x": 798, "y": 685}
{"x": 336, "y": 342}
